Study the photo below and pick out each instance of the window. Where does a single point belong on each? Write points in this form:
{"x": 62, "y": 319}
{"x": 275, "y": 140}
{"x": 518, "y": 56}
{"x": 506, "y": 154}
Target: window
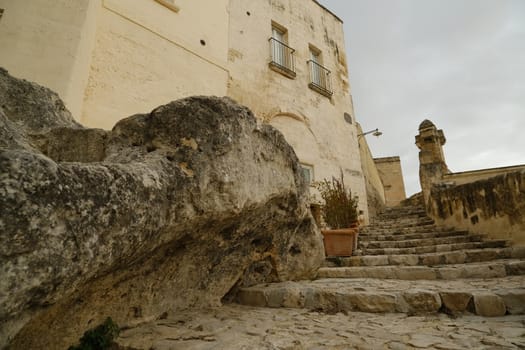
{"x": 1, "y": 13}
{"x": 315, "y": 73}
{"x": 308, "y": 173}
{"x": 282, "y": 55}
{"x": 169, "y": 4}
{"x": 319, "y": 75}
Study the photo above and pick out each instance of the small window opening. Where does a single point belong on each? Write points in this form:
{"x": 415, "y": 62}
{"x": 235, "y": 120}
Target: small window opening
{"x": 248, "y": 13}
{"x": 203, "y": 43}
{"x": 348, "y": 118}
{"x": 308, "y": 173}
{"x": 1, "y": 13}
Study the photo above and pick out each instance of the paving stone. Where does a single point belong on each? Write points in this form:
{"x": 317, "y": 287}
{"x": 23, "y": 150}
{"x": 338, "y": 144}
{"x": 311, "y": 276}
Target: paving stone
{"x": 518, "y": 253}
{"x": 515, "y": 268}
{"x": 397, "y": 346}
{"x": 487, "y": 304}
{"x": 455, "y": 302}
{"x": 294, "y": 297}
{"x": 408, "y": 260}
{"x": 274, "y": 297}
{"x": 424, "y": 341}
{"x": 450, "y": 273}
{"x": 415, "y": 273}
{"x": 448, "y": 346}
{"x": 431, "y": 260}
{"x": 514, "y": 301}
{"x": 497, "y": 343}
{"x": 455, "y": 258}
{"x": 482, "y": 255}
{"x": 513, "y": 332}
{"x": 484, "y": 271}
{"x": 252, "y": 297}
{"x": 374, "y": 260}
{"x": 422, "y": 301}
{"x": 370, "y": 302}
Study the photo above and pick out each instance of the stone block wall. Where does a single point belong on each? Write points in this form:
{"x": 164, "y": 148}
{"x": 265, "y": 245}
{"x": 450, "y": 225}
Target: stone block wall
{"x": 389, "y": 169}
{"x": 374, "y": 186}
{"x": 494, "y": 206}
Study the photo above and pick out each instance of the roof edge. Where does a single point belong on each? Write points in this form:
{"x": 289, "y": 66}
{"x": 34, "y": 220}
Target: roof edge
{"x": 327, "y": 10}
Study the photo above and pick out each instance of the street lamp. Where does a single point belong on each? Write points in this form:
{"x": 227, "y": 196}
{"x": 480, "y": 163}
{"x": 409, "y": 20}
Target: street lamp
{"x": 374, "y": 132}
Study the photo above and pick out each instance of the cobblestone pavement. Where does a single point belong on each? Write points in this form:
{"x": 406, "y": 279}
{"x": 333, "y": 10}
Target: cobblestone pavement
{"x": 243, "y": 327}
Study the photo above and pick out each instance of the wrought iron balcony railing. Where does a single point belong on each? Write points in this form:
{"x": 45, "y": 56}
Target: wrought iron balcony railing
{"x": 282, "y": 58}
{"x": 320, "y": 79}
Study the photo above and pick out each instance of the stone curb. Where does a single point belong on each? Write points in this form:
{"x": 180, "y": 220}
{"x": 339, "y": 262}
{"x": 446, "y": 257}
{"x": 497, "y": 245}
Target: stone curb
{"x": 369, "y": 243}
{"x": 434, "y": 248}
{"x": 411, "y": 236}
{"x": 412, "y": 301}
{"x": 448, "y": 272}
{"x": 440, "y": 258}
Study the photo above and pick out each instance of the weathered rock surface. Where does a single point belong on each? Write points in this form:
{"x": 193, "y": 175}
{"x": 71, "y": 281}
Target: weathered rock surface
{"x": 171, "y": 209}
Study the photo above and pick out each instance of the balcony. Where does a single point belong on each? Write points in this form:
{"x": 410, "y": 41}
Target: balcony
{"x": 320, "y": 79}
{"x": 283, "y": 60}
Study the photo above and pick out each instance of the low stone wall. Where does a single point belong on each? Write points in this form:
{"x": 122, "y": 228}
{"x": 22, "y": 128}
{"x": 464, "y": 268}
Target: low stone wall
{"x": 464, "y": 177}
{"x": 375, "y": 191}
{"x": 494, "y": 206}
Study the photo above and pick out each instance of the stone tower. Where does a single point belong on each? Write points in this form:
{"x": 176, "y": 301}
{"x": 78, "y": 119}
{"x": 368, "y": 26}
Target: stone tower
{"x": 432, "y": 165}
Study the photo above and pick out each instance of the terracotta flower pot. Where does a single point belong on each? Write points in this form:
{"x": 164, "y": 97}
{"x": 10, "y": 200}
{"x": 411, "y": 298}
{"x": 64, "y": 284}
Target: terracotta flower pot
{"x": 340, "y": 242}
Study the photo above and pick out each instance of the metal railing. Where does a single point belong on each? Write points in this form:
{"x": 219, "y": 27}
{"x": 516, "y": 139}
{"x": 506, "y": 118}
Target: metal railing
{"x": 282, "y": 56}
{"x": 320, "y": 78}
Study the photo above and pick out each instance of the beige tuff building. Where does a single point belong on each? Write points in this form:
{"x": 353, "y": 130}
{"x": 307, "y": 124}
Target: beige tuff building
{"x": 287, "y": 63}
{"x": 389, "y": 169}
{"x": 284, "y": 59}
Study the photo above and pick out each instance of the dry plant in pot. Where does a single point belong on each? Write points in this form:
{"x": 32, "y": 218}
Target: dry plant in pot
{"x": 340, "y": 213}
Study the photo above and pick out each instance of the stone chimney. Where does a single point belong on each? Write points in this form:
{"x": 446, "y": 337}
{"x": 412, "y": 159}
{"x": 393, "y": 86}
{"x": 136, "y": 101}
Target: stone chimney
{"x": 432, "y": 165}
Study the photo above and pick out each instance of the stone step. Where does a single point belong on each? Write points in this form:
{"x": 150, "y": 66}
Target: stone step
{"x": 397, "y": 216}
{"x": 492, "y": 269}
{"x": 410, "y": 236}
{"x": 432, "y": 259}
{"x": 367, "y": 230}
{"x": 401, "y": 224}
{"x": 433, "y": 248}
{"x": 402, "y": 212}
{"x": 367, "y": 242}
{"x": 493, "y": 297}
{"x": 401, "y": 221}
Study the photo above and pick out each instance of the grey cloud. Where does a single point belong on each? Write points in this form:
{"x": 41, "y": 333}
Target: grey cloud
{"x": 460, "y": 63}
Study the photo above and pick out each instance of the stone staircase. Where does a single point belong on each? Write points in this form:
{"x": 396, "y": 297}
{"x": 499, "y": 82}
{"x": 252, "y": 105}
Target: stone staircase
{"x": 406, "y": 264}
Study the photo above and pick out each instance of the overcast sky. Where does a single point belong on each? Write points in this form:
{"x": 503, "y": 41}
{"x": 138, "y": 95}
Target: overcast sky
{"x": 459, "y": 63}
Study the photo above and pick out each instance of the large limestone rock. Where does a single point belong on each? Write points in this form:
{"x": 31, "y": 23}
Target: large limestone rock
{"x": 171, "y": 209}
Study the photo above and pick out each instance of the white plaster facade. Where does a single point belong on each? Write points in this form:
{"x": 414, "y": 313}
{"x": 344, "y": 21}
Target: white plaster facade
{"x": 109, "y": 59}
